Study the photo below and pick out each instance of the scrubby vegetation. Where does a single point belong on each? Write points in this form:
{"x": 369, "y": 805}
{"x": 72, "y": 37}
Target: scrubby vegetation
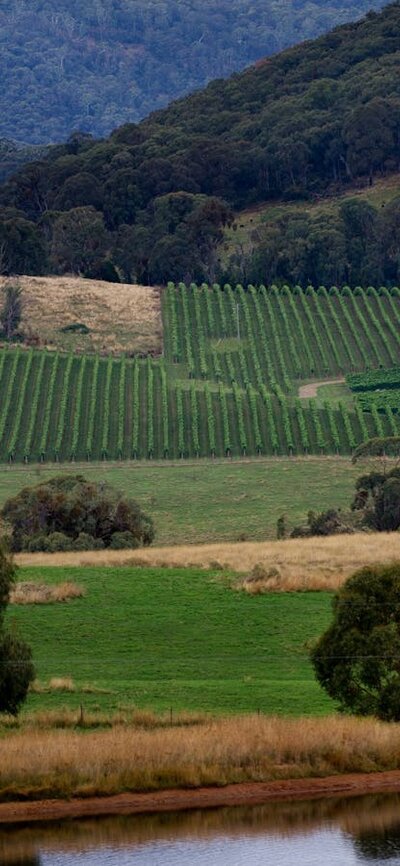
{"x": 71, "y": 513}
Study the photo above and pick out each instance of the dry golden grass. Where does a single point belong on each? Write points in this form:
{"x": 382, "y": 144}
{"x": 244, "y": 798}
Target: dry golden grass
{"x": 27, "y": 592}
{"x": 297, "y": 564}
{"x": 69, "y": 718}
{"x": 120, "y": 317}
{"x": 250, "y": 748}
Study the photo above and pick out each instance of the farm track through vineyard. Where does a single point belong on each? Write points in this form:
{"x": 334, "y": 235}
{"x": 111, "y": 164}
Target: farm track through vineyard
{"x": 228, "y": 382}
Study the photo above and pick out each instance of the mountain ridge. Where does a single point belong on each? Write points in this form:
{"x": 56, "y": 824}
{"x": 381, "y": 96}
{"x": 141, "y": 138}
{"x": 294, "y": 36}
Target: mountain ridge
{"x": 66, "y": 67}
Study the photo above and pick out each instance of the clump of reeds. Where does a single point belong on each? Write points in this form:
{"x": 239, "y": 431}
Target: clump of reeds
{"x": 36, "y": 764}
{"x": 27, "y": 592}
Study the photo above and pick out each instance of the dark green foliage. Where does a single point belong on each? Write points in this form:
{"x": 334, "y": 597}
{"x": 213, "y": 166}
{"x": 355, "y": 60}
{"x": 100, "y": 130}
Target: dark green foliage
{"x": 16, "y": 668}
{"x": 67, "y": 65}
{"x": 123, "y": 541}
{"x": 388, "y": 446}
{"x": 330, "y": 522}
{"x": 373, "y": 379}
{"x": 357, "y": 660}
{"x": 281, "y": 527}
{"x": 378, "y": 498}
{"x": 64, "y": 511}
{"x": 75, "y": 328}
{"x": 322, "y": 114}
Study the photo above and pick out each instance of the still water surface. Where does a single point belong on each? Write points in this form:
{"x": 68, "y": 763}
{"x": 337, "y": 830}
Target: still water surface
{"x": 354, "y": 832}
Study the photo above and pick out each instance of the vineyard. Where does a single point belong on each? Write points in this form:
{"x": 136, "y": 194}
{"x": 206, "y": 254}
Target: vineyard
{"x": 227, "y": 383}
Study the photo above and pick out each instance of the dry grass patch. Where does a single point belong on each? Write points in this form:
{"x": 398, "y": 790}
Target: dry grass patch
{"x": 36, "y": 764}
{"x": 27, "y": 592}
{"x": 120, "y": 317}
{"x": 127, "y": 717}
{"x": 292, "y": 565}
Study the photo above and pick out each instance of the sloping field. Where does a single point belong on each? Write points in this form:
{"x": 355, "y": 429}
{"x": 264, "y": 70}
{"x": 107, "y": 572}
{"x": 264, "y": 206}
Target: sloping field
{"x": 294, "y": 564}
{"x": 120, "y": 318}
{"x": 204, "y": 501}
{"x": 227, "y": 384}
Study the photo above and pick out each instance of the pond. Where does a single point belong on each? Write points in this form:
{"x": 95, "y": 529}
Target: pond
{"x": 332, "y": 832}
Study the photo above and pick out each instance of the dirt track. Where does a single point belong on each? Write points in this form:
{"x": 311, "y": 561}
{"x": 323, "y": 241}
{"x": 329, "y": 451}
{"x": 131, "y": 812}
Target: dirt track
{"x": 250, "y": 794}
{"x": 311, "y": 389}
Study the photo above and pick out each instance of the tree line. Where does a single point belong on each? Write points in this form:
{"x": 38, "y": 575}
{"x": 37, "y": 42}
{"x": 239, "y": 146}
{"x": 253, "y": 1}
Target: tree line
{"x": 358, "y": 245}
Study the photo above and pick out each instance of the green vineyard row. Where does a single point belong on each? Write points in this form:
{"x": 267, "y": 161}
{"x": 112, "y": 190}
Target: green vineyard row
{"x": 227, "y": 384}
{"x": 277, "y": 336}
{"x": 64, "y": 407}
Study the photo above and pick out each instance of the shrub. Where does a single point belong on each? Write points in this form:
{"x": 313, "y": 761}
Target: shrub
{"x": 84, "y": 542}
{"x": 58, "y": 542}
{"x": 67, "y": 507}
{"x": 123, "y": 541}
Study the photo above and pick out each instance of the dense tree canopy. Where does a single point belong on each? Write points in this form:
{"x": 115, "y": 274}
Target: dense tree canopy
{"x": 357, "y": 660}
{"x": 70, "y": 513}
{"x": 356, "y": 245}
{"x": 16, "y": 668}
{"x": 91, "y": 66}
{"x": 317, "y": 116}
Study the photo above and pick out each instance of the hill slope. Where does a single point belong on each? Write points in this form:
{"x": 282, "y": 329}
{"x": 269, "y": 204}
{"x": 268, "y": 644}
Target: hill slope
{"x": 66, "y": 65}
{"x": 326, "y": 112}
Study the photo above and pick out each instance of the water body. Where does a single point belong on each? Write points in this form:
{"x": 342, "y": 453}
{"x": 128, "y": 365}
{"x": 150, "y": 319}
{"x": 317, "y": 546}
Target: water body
{"x": 362, "y": 831}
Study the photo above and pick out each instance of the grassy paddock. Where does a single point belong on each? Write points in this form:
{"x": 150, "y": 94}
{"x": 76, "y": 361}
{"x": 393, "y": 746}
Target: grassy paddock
{"x": 220, "y": 500}
{"x": 172, "y": 638}
{"x": 37, "y": 764}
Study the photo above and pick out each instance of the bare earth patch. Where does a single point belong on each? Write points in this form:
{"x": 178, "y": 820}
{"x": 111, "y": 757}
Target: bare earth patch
{"x": 292, "y": 565}
{"x": 311, "y": 390}
{"x": 120, "y": 317}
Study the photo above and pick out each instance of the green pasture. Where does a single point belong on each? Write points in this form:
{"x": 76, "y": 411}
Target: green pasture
{"x": 221, "y": 500}
{"x": 174, "y": 638}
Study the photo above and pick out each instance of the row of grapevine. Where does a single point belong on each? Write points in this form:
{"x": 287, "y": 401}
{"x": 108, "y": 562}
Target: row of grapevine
{"x": 280, "y": 335}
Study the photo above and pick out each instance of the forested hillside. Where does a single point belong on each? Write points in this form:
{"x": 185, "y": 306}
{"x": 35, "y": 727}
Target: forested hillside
{"x": 67, "y": 65}
{"x": 150, "y": 203}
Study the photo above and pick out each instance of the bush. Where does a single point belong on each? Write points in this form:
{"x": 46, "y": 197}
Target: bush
{"x": 84, "y": 542}
{"x": 36, "y": 544}
{"x": 329, "y": 522}
{"x": 56, "y": 513}
{"x": 58, "y": 542}
{"x": 75, "y": 328}
{"x": 123, "y": 541}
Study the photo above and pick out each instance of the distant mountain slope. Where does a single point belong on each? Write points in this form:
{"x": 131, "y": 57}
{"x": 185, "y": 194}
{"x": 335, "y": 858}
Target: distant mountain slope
{"x": 67, "y": 65}
{"x": 149, "y": 203}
